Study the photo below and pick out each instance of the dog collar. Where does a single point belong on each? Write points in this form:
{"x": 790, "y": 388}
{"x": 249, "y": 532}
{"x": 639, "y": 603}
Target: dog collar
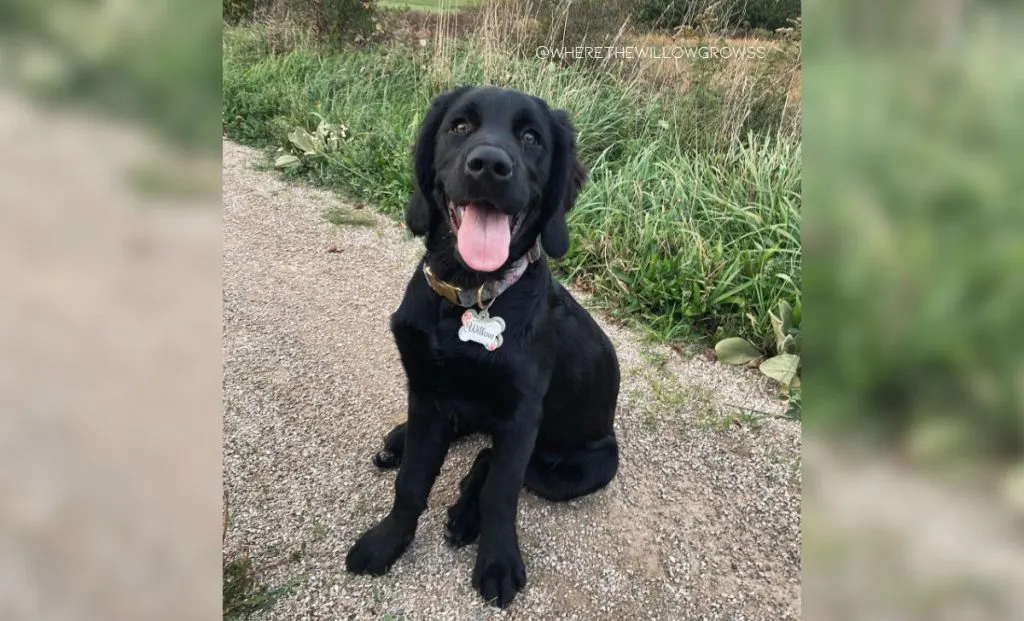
{"x": 484, "y": 295}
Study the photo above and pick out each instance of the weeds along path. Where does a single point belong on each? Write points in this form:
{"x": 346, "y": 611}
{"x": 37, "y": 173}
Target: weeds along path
{"x": 702, "y": 521}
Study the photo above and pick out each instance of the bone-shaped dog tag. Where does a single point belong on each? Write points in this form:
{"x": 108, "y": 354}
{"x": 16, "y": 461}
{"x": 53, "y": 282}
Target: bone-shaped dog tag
{"x": 482, "y": 328}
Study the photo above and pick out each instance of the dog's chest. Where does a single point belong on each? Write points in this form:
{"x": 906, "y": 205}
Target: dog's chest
{"x": 472, "y": 374}
{"x": 469, "y": 374}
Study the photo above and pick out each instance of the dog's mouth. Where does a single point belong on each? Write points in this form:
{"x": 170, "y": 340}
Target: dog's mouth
{"x": 484, "y": 233}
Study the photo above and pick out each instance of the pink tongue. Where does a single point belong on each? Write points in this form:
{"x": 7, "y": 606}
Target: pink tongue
{"x": 484, "y": 238}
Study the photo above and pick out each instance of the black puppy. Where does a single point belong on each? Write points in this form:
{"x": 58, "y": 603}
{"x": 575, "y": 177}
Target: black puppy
{"x": 490, "y": 341}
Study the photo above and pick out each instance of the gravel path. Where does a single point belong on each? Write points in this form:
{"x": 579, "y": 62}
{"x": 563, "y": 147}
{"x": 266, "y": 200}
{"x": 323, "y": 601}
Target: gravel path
{"x": 702, "y": 521}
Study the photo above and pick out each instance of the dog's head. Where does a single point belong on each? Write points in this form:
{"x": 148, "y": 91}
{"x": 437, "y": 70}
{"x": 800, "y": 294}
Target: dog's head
{"x": 494, "y": 169}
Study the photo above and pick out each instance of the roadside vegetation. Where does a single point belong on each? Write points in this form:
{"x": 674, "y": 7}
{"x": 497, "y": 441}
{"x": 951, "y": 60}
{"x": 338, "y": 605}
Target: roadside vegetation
{"x": 691, "y": 221}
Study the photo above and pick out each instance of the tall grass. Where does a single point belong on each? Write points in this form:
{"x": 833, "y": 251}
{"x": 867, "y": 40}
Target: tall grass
{"x": 690, "y": 238}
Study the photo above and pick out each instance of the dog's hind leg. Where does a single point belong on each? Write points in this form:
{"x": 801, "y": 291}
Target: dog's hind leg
{"x": 563, "y": 475}
{"x": 463, "y": 525}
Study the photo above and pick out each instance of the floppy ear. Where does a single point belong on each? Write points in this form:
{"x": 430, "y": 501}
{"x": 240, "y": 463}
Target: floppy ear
{"x": 417, "y": 214}
{"x": 422, "y": 205}
{"x": 567, "y": 178}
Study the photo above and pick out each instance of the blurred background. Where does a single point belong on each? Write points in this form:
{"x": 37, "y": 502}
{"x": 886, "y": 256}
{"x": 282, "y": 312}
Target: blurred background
{"x": 914, "y": 426}
{"x": 110, "y": 358}
{"x": 110, "y": 319}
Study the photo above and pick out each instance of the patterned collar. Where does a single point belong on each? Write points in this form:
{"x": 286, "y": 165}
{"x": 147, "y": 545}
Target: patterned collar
{"x": 485, "y": 294}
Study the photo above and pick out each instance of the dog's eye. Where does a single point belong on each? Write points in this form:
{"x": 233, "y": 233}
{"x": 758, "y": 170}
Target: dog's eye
{"x": 461, "y": 128}
{"x": 530, "y": 138}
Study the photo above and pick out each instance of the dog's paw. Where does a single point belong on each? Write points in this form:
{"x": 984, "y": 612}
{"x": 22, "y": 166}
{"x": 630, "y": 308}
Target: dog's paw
{"x": 378, "y": 548}
{"x": 463, "y": 525}
{"x": 499, "y": 572}
{"x": 386, "y": 459}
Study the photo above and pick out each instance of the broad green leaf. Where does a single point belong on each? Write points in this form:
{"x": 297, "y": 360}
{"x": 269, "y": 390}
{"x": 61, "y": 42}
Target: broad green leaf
{"x": 781, "y": 368}
{"x": 735, "y": 350}
{"x": 303, "y": 140}
{"x": 285, "y": 161}
{"x": 786, "y": 315}
{"x": 782, "y": 326}
{"x": 780, "y": 334}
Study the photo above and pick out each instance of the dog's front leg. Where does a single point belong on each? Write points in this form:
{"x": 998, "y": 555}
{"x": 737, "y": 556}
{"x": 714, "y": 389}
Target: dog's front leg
{"x": 427, "y": 441}
{"x": 499, "y": 572}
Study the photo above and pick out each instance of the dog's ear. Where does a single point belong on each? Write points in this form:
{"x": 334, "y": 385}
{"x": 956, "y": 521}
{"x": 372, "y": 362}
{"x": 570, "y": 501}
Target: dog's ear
{"x": 422, "y": 205}
{"x": 417, "y": 214}
{"x": 567, "y": 178}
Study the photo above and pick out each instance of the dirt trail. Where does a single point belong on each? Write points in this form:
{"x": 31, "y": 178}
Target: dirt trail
{"x": 702, "y": 521}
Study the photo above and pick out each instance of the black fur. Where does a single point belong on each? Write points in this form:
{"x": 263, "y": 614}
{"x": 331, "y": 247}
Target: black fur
{"x": 547, "y": 396}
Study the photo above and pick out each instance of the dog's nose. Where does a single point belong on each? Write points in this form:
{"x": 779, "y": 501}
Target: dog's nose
{"x": 487, "y": 163}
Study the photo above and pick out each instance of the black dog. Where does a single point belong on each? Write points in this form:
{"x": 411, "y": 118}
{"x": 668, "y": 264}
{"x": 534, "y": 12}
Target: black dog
{"x": 496, "y": 171}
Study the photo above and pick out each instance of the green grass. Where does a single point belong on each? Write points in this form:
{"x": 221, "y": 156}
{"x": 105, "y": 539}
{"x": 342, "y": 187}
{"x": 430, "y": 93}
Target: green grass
{"x": 244, "y": 591}
{"x": 676, "y": 229}
{"x": 429, "y": 6}
{"x": 344, "y": 217}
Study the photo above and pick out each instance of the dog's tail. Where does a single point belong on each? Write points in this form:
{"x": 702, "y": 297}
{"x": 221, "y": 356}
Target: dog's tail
{"x": 563, "y": 475}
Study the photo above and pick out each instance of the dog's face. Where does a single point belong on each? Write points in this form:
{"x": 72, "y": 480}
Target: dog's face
{"x": 495, "y": 168}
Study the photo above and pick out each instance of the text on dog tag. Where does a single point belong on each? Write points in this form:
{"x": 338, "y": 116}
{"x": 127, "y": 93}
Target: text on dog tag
{"x": 480, "y": 327}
